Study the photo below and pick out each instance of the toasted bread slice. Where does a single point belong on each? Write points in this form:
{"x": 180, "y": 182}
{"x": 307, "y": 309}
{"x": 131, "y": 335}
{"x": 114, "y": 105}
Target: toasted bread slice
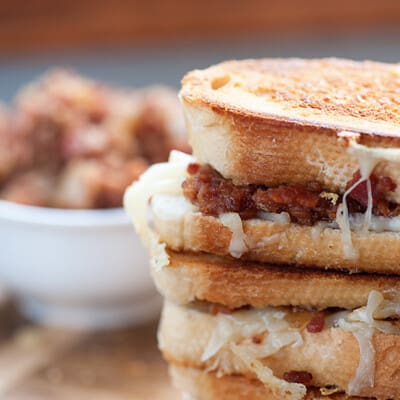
{"x": 274, "y": 121}
{"x": 331, "y": 356}
{"x": 201, "y": 385}
{"x": 276, "y": 242}
{"x": 190, "y": 277}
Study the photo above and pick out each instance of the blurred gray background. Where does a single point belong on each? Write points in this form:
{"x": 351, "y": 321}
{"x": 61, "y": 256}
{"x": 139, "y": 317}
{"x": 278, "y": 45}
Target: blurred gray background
{"x": 138, "y": 66}
{"x": 140, "y": 43}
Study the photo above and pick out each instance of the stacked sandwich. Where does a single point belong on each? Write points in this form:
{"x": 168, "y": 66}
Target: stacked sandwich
{"x": 277, "y": 244}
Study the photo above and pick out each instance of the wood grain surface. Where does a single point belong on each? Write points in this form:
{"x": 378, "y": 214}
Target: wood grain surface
{"x": 42, "y": 363}
{"x": 49, "y": 24}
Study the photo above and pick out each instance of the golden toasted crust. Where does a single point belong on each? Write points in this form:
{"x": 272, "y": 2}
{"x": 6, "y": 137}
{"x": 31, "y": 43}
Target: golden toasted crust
{"x": 336, "y": 90}
{"x": 331, "y": 356}
{"x": 233, "y": 283}
{"x": 278, "y": 121}
{"x": 201, "y": 385}
{"x": 278, "y": 243}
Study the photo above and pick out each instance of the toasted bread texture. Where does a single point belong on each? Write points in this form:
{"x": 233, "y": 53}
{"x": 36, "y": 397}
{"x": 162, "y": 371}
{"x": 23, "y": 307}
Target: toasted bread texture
{"x": 200, "y": 385}
{"x": 274, "y": 121}
{"x": 233, "y": 283}
{"x": 331, "y": 356}
{"x": 279, "y": 243}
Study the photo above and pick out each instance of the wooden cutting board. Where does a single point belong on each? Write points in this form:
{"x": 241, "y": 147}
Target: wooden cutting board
{"x": 43, "y": 363}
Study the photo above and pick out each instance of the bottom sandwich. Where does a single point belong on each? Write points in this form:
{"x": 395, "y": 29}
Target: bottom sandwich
{"x": 283, "y": 353}
{"x": 201, "y": 385}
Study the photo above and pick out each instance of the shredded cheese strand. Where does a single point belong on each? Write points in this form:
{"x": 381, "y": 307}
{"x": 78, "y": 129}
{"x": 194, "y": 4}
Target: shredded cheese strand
{"x": 368, "y": 213}
{"x": 234, "y": 332}
{"x": 342, "y": 219}
{"x": 367, "y": 158}
{"x": 365, "y": 374}
{"x": 244, "y": 324}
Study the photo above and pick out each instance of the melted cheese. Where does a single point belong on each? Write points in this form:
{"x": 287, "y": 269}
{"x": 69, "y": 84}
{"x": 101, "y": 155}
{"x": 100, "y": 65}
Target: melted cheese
{"x": 376, "y": 224}
{"x": 163, "y": 178}
{"x": 166, "y": 178}
{"x": 367, "y": 158}
{"x": 365, "y": 373}
{"x": 342, "y": 219}
{"x": 234, "y": 332}
{"x": 363, "y": 322}
{"x": 168, "y": 214}
{"x": 237, "y": 245}
{"x": 281, "y": 218}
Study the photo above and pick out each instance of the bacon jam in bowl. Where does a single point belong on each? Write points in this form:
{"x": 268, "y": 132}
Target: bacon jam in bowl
{"x": 69, "y": 146}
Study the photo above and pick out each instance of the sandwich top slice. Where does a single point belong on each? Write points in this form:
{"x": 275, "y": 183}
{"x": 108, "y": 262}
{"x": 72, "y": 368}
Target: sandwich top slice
{"x": 274, "y": 121}
{"x": 318, "y": 139}
{"x": 295, "y": 162}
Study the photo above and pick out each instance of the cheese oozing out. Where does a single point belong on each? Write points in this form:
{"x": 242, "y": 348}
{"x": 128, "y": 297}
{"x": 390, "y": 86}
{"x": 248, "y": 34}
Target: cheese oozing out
{"x": 368, "y": 158}
{"x": 167, "y": 178}
{"x": 237, "y": 245}
{"x": 233, "y": 333}
{"x": 163, "y": 178}
{"x": 363, "y": 322}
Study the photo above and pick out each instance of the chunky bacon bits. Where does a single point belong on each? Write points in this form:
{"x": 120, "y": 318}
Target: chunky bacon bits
{"x": 303, "y": 377}
{"x": 193, "y": 168}
{"x": 256, "y": 340}
{"x": 380, "y": 187}
{"x": 215, "y": 195}
{"x": 316, "y": 324}
{"x": 306, "y": 204}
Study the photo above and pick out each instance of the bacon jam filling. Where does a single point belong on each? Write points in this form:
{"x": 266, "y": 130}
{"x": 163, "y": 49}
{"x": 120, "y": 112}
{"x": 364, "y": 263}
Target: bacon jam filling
{"x": 303, "y": 377}
{"x": 306, "y": 204}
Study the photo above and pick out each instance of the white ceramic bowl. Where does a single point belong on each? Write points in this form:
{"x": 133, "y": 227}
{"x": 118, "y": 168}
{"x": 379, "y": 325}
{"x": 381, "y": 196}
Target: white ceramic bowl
{"x": 75, "y": 268}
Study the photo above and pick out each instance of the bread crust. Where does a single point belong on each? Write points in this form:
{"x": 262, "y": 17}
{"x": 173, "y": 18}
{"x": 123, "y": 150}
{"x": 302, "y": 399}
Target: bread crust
{"x": 278, "y": 243}
{"x": 331, "y": 356}
{"x": 233, "y": 283}
{"x": 201, "y": 385}
{"x": 255, "y": 129}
